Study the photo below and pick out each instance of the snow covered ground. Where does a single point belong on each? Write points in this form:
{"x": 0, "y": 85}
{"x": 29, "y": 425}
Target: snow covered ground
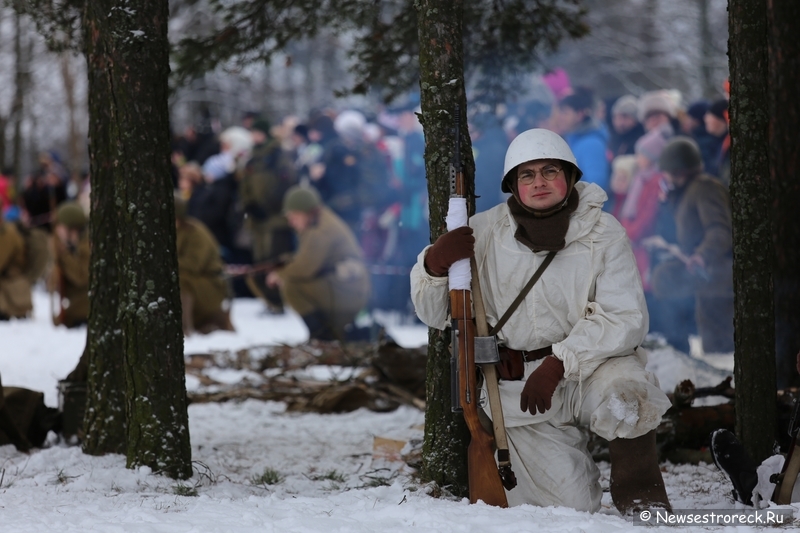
{"x": 260, "y": 468}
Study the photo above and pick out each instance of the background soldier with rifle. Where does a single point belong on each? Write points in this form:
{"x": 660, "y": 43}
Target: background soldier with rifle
{"x": 568, "y": 348}
{"x": 326, "y": 282}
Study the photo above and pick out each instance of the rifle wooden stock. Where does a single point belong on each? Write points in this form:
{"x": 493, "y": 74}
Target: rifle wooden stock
{"x": 485, "y": 483}
{"x": 484, "y": 479}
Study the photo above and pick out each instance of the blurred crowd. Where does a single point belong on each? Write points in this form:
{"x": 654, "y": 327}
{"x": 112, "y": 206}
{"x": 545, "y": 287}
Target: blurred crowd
{"x": 369, "y": 169}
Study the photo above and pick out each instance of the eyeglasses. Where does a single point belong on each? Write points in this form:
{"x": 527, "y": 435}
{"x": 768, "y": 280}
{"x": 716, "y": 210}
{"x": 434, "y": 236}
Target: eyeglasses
{"x": 528, "y": 176}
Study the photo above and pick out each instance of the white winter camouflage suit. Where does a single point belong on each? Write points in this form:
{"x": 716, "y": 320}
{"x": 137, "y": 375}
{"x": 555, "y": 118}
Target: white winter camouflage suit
{"x": 590, "y": 307}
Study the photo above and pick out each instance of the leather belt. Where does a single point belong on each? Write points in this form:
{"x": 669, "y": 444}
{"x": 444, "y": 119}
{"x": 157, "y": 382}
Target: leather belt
{"x": 529, "y": 355}
{"x": 512, "y": 362}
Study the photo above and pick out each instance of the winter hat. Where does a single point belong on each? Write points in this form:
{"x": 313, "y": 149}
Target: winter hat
{"x": 625, "y": 105}
{"x": 350, "y": 124}
{"x": 681, "y": 155}
{"x": 719, "y": 108}
{"x": 299, "y": 198}
{"x": 558, "y": 82}
{"x": 261, "y": 125}
{"x": 71, "y": 215}
{"x": 651, "y": 145}
{"x": 698, "y": 110}
{"x": 655, "y": 102}
{"x": 581, "y": 100}
{"x": 623, "y": 168}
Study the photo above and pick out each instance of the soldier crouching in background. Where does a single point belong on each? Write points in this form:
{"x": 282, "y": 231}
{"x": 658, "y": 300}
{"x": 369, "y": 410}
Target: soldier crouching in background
{"x": 326, "y": 282}
{"x": 204, "y": 291}
{"x": 70, "y": 277}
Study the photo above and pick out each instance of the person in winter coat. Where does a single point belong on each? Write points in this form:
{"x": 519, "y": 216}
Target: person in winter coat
{"x": 716, "y": 122}
{"x": 72, "y": 255}
{"x": 626, "y": 127}
{"x": 586, "y": 138}
{"x": 203, "y": 289}
{"x": 638, "y": 214}
{"x": 15, "y": 286}
{"x": 703, "y": 264}
{"x": 326, "y": 282}
{"x": 577, "y": 331}
{"x": 336, "y": 175}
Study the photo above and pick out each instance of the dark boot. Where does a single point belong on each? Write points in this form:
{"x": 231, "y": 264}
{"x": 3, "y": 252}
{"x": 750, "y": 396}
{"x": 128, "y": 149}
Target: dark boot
{"x": 730, "y": 456}
{"x": 318, "y": 327}
{"x": 636, "y": 482}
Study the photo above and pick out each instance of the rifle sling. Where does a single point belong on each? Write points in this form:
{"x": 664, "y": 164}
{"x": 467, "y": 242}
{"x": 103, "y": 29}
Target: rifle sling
{"x": 523, "y": 293}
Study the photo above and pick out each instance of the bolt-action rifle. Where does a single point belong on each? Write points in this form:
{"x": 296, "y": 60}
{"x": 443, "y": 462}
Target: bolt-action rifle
{"x": 486, "y": 482}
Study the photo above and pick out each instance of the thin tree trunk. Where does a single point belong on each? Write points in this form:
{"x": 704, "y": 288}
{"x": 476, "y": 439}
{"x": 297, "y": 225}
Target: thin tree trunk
{"x": 751, "y": 199}
{"x": 442, "y": 89}
{"x": 127, "y": 53}
{"x": 784, "y": 20}
{"x": 706, "y": 51}
{"x": 18, "y": 104}
{"x": 74, "y": 135}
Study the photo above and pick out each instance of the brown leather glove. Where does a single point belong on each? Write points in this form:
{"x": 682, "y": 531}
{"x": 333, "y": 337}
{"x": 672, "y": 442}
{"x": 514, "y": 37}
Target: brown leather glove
{"x": 537, "y": 395}
{"x": 449, "y": 248}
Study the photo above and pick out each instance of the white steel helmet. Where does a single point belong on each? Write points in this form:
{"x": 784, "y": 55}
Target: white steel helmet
{"x": 535, "y": 144}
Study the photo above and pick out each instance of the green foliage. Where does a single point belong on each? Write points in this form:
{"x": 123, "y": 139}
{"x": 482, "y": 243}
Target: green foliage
{"x": 59, "y": 21}
{"x": 269, "y": 476}
{"x": 503, "y": 39}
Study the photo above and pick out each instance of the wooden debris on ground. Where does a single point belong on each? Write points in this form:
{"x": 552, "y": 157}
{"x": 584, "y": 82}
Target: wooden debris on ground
{"x": 378, "y": 376}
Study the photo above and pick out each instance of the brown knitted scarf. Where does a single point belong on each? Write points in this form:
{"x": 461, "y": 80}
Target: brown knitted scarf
{"x": 542, "y": 233}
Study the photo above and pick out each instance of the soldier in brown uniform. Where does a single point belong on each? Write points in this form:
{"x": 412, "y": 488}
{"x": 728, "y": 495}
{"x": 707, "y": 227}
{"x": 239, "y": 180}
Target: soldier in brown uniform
{"x": 704, "y": 265}
{"x": 71, "y": 272}
{"x": 15, "y": 288}
{"x": 326, "y": 282}
{"x": 204, "y": 291}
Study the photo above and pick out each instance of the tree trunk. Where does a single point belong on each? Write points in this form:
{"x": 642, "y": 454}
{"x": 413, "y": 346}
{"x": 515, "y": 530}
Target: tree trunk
{"x": 442, "y": 89}
{"x": 706, "y": 52}
{"x": 18, "y": 103}
{"x": 74, "y": 137}
{"x": 751, "y": 198}
{"x": 784, "y": 19}
{"x": 127, "y": 53}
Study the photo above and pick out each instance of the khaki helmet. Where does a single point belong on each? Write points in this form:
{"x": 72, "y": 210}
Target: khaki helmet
{"x": 681, "y": 155}
{"x": 299, "y": 198}
{"x": 71, "y": 215}
{"x": 534, "y": 144}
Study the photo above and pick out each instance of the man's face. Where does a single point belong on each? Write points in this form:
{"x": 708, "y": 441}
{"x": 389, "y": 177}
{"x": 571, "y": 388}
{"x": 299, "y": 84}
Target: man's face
{"x": 675, "y": 180}
{"x": 715, "y": 125}
{"x": 623, "y": 123}
{"x": 655, "y": 120}
{"x": 570, "y": 118}
{"x": 537, "y": 192}
{"x": 298, "y": 220}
